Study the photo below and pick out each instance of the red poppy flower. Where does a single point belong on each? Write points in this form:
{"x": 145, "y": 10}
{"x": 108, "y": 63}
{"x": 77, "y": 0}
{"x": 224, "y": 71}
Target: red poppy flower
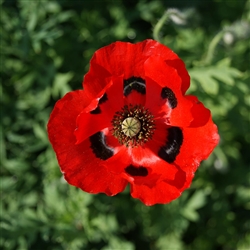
{"x": 133, "y": 124}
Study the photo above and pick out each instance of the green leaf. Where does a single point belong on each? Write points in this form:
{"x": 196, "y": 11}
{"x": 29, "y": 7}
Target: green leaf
{"x": 207, "y": 82}
{"x": 116, "y": 243}
{"x": 60, "y": 86}
{"x": 208, "y": 77}
{"x": 197, "y": 200}
{"x": 169, "y": 241}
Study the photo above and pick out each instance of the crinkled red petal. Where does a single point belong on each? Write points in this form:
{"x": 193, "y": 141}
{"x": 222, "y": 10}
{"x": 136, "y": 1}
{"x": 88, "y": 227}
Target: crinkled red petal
{"x": 145, "y": 157}
{"x": 78, "y": 163}
{"x": 199, "y": 140}
{"x": 95, "y": 80}
{"x": 118, "y": 162}
{"x": 179, "y": 65}
{"x": 89, "y": 123}
{"x": 200, "y": 113}
{"x": 164, "y": 182}
{"x": 160, "y": 174}
{"x": 62, "y": 120}
{"x": 156, "y": 105}
{"x": 135, "y": 98}
{"x": 121, "y": 58}
{"x": 81, "y": 168}
{"x": 159, "y": 136}
{"x": 161, "y": 192}
{"x": 198, "y": 143}
{"x": 158, "y": 76}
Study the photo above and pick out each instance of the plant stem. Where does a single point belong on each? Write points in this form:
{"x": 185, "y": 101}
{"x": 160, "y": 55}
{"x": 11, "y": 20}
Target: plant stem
{"x": 158, "y": 26}
{"x": 212, "y": 46}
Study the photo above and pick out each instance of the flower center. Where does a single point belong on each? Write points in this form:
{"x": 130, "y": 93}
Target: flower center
{"x": 133, "y": 125}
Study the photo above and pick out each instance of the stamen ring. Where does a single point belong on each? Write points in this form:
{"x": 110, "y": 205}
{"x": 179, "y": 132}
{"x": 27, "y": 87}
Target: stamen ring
{"x": 133, "y": 125}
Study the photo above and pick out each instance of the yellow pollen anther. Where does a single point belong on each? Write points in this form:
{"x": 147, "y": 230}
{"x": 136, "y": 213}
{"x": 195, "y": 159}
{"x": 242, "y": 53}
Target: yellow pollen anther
{"x": 131, "y": 126}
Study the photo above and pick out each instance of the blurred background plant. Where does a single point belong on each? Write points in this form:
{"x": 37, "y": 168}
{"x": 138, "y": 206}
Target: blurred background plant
{"x": 45, "y": 50}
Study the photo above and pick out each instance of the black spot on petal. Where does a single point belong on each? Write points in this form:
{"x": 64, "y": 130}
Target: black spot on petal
{"x": 172, "y": 148}
{"x": 167, "y": 93}
{"x": 99, "y": 147}
{"x": 97, "y": 110}
{"x": 103, "y": 99}
{"x": 136, "y": 171}
{"x": 134, "y": 83}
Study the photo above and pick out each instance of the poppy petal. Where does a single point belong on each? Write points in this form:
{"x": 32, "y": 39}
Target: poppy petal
{"x": 148, "y": 174}
{"x": 166, "y": 142}
{"x": 144, "y": 157}
{"x": 125, "y": 58}
{"x": 79, "y": 163}
{"x": 200, "y": 113}
{"x": 198, "y": 143}
{"x": 63, "y": 118}
{"x": 83, "y": 169}
{"x": 161, "y": 192}
{"x": 94, "y": 83}
{"x": 168, "y": 91}
{"x": 122, "y": 55}
{"x": 134, "y": 91}
{"x": 157, "y": 105}
{"x": 98, "y": 116}
{"x": 182, "y": 72}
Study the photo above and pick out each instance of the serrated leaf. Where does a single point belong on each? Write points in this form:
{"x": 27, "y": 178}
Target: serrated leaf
{"x": 223, "y": 76}
{"x": 208, "y": 76}
{"x": 209, "y": 84}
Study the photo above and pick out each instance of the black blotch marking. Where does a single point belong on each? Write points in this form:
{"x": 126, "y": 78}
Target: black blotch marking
{"x": 172, "y": 148}
{"x": 97, "y": 110}
{"x": 167, "y": 93}
{"x": 136, "y": 171}
{"x": 103, "y": 99}
{"x": 134, "y": 83}
{"x": 99, "y": 147}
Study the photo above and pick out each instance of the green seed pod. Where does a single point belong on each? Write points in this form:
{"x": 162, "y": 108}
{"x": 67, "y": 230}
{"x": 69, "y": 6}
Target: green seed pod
{"x": 131, "y": 126}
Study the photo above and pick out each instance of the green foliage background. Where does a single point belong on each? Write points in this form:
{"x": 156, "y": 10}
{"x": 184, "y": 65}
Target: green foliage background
{"x": 45, "y": 50}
